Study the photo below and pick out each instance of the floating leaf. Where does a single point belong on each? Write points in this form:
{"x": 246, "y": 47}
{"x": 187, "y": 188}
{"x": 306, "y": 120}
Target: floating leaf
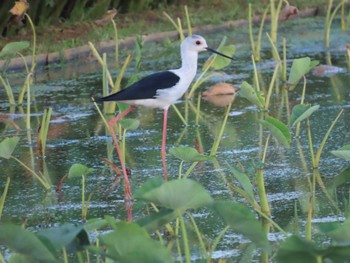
{"x": 188, "y": 154}
{"x": 67, "y": 236}
{"x": 78, "y": 170}
{"x": 130, "y": 243}
{"x": 244, "y": 180}
{"x": 247, "y": 91}
{"x": 7, "y": 147}
{"x": 222, "y": 62}
{"x": 301, "y": 112}
{"x": 279, "y": 130}
{"x": 25, "y": 243}
{"x": 295, "y": 249}
{"x": 242, "y": 220}
{"x": 181, "y": 194}
{"x": 300, "y": 67}
{"x": 343, "y": 152}
{"x": 12, "y": 48}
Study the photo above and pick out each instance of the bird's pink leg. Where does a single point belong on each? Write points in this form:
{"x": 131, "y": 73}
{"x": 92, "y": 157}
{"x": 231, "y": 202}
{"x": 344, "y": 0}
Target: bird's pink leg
{"x": 111, "y": 124}
{"x": 164, "y": 143}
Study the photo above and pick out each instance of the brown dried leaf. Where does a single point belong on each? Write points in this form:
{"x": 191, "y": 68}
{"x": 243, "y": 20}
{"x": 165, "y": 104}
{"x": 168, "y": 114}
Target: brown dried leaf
{"x": 220, "y": 89}
{"x": 110, "y": 14}
{"x": 198, "y": 147}
{"x": 20, "y": 8}
{"x": 220, "y": 100}
{"x": 288, "y": 11}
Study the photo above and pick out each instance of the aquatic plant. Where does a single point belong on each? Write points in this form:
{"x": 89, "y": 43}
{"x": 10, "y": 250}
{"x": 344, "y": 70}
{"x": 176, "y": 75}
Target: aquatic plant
{"x": 43, "y": 131}
{"x": 329, "y": 19}
{"x": 214, "y": 62}
{"x": 188, "y": 154}
{"x": 343, "y": 152}
{"x": 78, "y": 170}
{"x": 277, "y": 15}
{"x": 178, "y": 24}
{"x": 3, "y": 195}
{"x": 189, "y": 194}
{"x": 168, "y": 227}
{"x": 256, "y": 45}
{"x": 301, "y": 112}
{"x": 7, "y": 146}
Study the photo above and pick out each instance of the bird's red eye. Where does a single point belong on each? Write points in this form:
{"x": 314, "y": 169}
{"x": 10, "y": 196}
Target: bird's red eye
{"x": 198, "y": 43}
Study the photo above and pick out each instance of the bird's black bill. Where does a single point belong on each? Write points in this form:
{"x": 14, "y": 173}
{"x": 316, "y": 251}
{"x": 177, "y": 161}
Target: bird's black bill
{"x": 218, "y": 53}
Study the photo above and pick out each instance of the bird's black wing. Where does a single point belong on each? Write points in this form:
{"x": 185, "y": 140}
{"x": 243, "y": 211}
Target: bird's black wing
{"x": 145, "y": 88}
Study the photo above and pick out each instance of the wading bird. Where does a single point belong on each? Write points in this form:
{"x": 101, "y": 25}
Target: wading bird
{"x": 159, "y": 90}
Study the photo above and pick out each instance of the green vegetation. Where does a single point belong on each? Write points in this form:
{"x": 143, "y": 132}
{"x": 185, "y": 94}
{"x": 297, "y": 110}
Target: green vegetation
{"x": 134, "y": 18}
{"x": 162, "y": 233}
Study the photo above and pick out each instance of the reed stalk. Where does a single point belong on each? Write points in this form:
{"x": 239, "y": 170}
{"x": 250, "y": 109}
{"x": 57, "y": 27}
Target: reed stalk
{"x": 44, "y": 129}
{"x": 8, "y": 91}
{"x": 3, "y": 195}
{"x": 329, "y": 19}
{"x": 217, "y": 141}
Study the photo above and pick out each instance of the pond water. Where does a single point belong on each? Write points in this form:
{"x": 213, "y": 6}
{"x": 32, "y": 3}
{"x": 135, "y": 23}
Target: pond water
{"x": 77, "y": 135}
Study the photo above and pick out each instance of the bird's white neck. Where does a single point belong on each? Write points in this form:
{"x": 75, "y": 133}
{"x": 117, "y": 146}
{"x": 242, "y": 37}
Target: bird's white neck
{"x": 189, "y": 61}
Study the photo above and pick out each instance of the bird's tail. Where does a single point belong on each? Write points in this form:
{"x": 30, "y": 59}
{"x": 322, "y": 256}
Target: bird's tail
{"x": 111, "y": 97}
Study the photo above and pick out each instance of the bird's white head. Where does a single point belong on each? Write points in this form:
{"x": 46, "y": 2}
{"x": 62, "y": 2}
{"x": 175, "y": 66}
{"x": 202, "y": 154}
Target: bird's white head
{"x": 194, "y": 43}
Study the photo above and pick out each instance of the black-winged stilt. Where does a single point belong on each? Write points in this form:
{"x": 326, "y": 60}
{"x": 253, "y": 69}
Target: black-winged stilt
{"x": 160, "y": 90}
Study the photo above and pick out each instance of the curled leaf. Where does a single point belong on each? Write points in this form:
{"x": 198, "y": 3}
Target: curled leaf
{"x": 343, "y": 152}
{"x": 78, "y": 170}
{"x": 278, "y": 129}
{"x": 220, "y": 62}
{"x": 7, "y": 147}
{"x": 179, "y": 195}
{"x": 248, "y": 92}
{"x": 188, "y": 154}
{"x": 20, "y": 8}
{"x": 300, "y": 67}
{"x": 287, "y": 12}
{"x": 10, "y": 49}
{"x": 242, "y": 220}
{"x": 301, "y": 112}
